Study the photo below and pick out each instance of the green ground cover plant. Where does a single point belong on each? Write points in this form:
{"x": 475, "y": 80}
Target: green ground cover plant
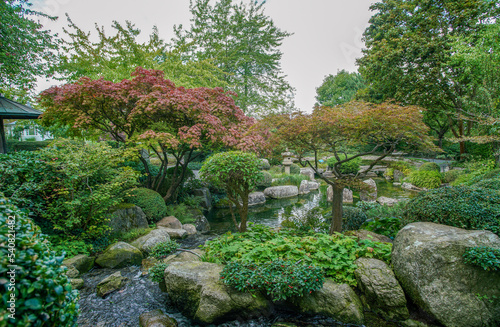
{"x": 157, "y": 272}
{"x": 334, "y": 254}
{"x": 163, "y": 249}
{"x": 485, "y": 257}
{"x": 278, "y": 279}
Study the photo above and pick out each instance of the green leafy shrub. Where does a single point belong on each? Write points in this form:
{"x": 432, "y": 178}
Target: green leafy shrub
{"x": 367, "y": 205}
{"x": 71, "y": 248}
{"x": 163, "y": 249}
{"x": 353, "y": 218}
{"x": 43, "y": 293}
{"x": 403, "y": 166}
{"x": 305, "y": 220}
{"x": 349, "y": 167}
{"x": 164, "y": 186}
{"x": 279, "y": 279}
{"x": 16, "y": 146}
{"x": 149, "y": 201}
{"x": 157, "y": 272}
{"x": 182, "y": 212}
{"x": 264, "y": 165}
{"x": 425, "y": 178}
{"x": 460, "y": 206}
{"x": 485, "y": 257}
{"x": 476, "y": 171}
{"x": 275, "y": 170}
{"x": 493, "y": 184}
{"x": 335, "y": 254}
{"x": 388, "y": 226}
{"x": 451, "y": 175}
{"x": 265, "y": 181}
{"x": 430, "y": 166}
{"x": 131, "y": 235}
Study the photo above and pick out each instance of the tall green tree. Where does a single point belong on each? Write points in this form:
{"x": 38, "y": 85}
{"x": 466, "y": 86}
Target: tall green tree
{"x": 338, "y": 89}
{"x": 410, "y": 54}
{"x": 26, "y": 48}
{"x": 115, "y": 56}
{"x": 244, "y": 43}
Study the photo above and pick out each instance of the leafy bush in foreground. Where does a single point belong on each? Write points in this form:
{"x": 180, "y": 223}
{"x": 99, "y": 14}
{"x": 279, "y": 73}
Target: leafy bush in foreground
{"x": 461, "y": 206}
{"x": 425, "y": 178}
{"x": 43, "y": 293}
{"x": 278, "y": 279}
{"x": 163, "y": 249}
{"x": 334, "y": 254}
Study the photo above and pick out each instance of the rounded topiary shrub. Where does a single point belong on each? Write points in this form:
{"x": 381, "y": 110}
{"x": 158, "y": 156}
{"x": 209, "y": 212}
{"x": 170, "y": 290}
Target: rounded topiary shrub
{"x": 459, "y": 206}
{"x": 42, "y": 291}
{"x": 352, "y": 218}
{"x": 451, "y": 175}
{"x": 149, "y": 201}
{"x": 425, "y": 178}
{"x": 264, "y": 164}
{"x": 430, "y": 166}
{"x": 265, "y": 181}
{"x": 348, "y": 167}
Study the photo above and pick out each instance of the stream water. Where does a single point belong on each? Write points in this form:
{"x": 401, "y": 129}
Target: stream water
{"x": 123, "y": 308}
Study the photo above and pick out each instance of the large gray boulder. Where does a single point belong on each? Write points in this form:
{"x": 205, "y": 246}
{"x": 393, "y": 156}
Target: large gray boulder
{"x": 307, "y": 172}
{"x": 174, "y": 233}
{"x": 369, "y": 195}
{"x": 428, "y": 261}
{"x": 411, "y": 187}
{"x": 147, "y": 242}
{"x": 156, "y": 318}
{"x": 337, "y": 301}
{"x": 120, "y": 255}
{"x": 256, "y": 198}
{"x": 82, "y": 263}
{"x": 196, "y": 290}
{"x": 380, "y": 290}
{"x": 201, "y": 223}
{"x": 169, "y": 222}
{"x": 281, "y": 192}
{"x": 387, "y": 201}
{"x": 126, "y": 218}
{"x": 347, "y": 196}
{"x": 304, "y": 187}
{"x": 110, "y": 284}
{"x": 313, "y": 185}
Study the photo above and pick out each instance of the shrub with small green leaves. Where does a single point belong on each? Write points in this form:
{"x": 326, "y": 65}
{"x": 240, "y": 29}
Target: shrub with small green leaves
{"x": 425, "y": 178}
{"x": 43, "y": 293}
{"x": 149, "y": 201}
{"x": 485, "y": 257}
{"x": 157, "y": 272}
{"x": 265, "y": 181}
{"x": 459, "y": 206}
{"x": 353, "y": 218}
{"x": 194, "y": 165}
{"x": 430, "y": 166}
{"x": 163, "y": 249}
{"x": 402, "y": 166}
{"x": 279, "y": 279}
{"x": 451, "y": 175}
{"x": 264, "y": 165}
{"x": 348, "y": 167}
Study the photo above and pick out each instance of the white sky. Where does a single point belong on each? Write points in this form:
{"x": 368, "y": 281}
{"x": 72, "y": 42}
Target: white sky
{"x": 327, "y": 33}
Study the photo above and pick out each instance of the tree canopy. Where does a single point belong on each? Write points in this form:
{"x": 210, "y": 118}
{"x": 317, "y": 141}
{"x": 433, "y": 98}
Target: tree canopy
{"x": 410, "y": 56}
{"x": 338, "y": 89}
{"x": 114, "y": 57}
{"x": 26, "y": 49}
{"x": 149, "y": 111}
{"x": 244, "y": 43}
{"x": 348, "y": 132}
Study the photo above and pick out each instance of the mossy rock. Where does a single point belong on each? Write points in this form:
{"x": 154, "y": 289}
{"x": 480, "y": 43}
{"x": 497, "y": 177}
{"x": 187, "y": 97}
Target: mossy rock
{"x": 120, "y": 255}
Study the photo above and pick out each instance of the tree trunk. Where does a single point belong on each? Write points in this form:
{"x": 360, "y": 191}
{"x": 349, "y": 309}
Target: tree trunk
{"x": 244, "y": 213}
{"x": 336, "y": 225}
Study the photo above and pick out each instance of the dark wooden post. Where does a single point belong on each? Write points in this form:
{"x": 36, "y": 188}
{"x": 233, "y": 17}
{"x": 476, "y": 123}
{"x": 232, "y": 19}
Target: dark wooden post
{"x": 3, "y": 144}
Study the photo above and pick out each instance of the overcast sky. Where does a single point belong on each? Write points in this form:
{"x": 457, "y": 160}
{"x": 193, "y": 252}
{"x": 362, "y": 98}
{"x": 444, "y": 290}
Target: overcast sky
{"x": 327, "y": 33}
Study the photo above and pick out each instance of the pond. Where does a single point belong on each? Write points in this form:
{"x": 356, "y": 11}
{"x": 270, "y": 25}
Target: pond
{"x": 272, "y": 213}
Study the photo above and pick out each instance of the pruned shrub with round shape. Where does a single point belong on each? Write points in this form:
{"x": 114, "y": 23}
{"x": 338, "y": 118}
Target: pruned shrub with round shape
{"x": 265, "y": 181}
{"x": 425, "y": 178}
{"x": 430, "y": 166}
{"x": 451, "y": 175}
{"x": 43, "y": 293}
{"x": 459, "y": 206}
{"x": 353, "y": 218}
{"x": 348, "y": 167}
{"x": 264, "y": 164}
{"x": 149, "y": 201}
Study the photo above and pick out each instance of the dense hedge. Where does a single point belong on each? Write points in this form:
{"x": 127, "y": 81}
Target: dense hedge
{"x": 149, "y": 201}
{"x": 43, "y": 293}
{"x": 460, "y": 206}
{"x": 16, "y": 146}
{"x": 353, "y": 218}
